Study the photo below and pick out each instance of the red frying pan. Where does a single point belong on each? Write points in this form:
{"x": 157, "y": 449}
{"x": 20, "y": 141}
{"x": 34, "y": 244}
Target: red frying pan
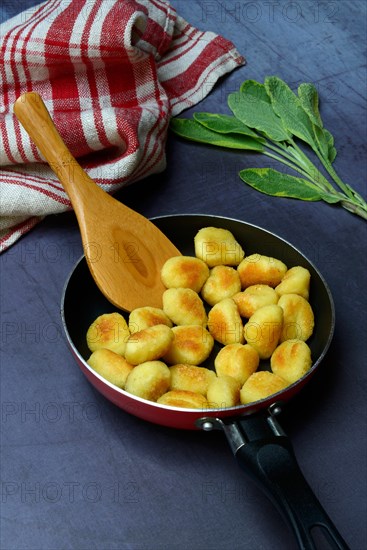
{"x": 253, "y": 432}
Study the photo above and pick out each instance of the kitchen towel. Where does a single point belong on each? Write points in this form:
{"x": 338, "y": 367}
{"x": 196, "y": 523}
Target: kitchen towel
{"x": 112, "y": 73}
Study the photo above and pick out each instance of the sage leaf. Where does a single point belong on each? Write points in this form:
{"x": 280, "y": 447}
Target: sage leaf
{"x": 224, "y": 124}
{"x": 267, "y": 119}
{"x": 288, "y": 107}
{"x": 330, "y": 141}
{"x": 190, "y": 129}
{"x": 309, "y": 99}
{"x": 321, "y": 140}
{"x": 252, "y": 106}
{"x": 274, "y": 183}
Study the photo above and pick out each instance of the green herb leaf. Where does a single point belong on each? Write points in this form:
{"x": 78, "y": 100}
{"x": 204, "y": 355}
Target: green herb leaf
{"x": 309, "y": 99}
{"x": 252, "y": 106}
{"x": 274, "y": 183}
{"x": 288, "y": 106}
{"x": 278, "y": 115}
{"x": 330, "y": 141}
{"x": 224, "y": 124}
{"x": 190, "y": 129}
{"x": 321, "y": 140}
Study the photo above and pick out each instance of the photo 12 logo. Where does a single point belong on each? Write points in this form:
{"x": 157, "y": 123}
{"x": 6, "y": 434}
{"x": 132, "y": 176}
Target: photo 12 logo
{"x": 50, "y": 411}
{"x": 54, "y": 491}
{"x": 253, "y": 12}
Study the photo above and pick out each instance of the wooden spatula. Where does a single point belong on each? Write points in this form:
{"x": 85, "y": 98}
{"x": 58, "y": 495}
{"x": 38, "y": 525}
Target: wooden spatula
{"x": 124, "y": 250}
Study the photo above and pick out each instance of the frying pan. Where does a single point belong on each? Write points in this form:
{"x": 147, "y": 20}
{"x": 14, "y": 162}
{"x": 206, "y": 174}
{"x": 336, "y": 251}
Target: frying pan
{"x": 253, "y": 432}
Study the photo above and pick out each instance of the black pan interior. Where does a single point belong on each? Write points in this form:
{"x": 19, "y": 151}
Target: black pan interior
{"x": 83, "y": 301}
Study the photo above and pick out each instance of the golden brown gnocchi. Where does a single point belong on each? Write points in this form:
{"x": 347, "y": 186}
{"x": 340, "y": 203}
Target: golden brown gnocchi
{"x": 298, "y": 321}
{"x": 263, "y": 330}
{"x": 144, "y": 317}
{"x": 223, "y": 392}
{"x": 108, "y": 331}
{"x": 225, "y": 323}
{"x": 148, "y": 344}
{"x": 149, "y": 380}
{"x": 261, "y": 384}
{"x": 191, "y": 378}
{"x": 295, "y": 281}
{"x": 216, "y": 246}
{"x": 191, "y": 344}
{"x": 184, "y": 306}
{"x": 184, "y": 272}
{"x": 111, "y": 366}
{"x": 223, "y": 282}
{"x": 183, "y": 399}
{"x": 238, "y": 361}
{"x": 291, "y": 360}
{"x": 254, "y": 297}
{"x": 261, "y": 289}
{"x": 258, "y": 269}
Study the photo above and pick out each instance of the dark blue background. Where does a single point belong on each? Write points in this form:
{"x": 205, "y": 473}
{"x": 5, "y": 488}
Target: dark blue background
{"x": 77, "y": 472}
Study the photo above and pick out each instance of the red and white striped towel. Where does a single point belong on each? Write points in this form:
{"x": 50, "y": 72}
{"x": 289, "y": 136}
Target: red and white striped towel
{"x": 111, "y": 73}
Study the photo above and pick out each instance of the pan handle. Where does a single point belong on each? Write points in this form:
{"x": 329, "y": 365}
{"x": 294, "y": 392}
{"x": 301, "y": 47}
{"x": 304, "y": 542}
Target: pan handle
{"x": 265, "y": 453}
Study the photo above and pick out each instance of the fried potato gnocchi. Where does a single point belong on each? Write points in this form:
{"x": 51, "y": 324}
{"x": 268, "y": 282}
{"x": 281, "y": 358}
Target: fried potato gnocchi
{"x": 254, "y": 297}
{"x": 237, "y": 361}
{"x": 295, "y": 281}
{"x": 216, "y": 246}
{"x": 257, "y": 308}
{"x": 145, "y": 317}
{"x": 291, "y": 360}
{"x": 108, "y": 331}
{"x": 263, "y": 330}
{"x": 149, "y": 380}
{"x": 298, "y": 321}
{"x": 111, "y": 366}
{"x": 184, "y": 306}
{"x": 260, "y": 385}
{"x": 191, "y": 378}
{"x": 183, "y": 399}
{"x": 223, "y": 392}
{"x": 223, "y": 282}
{"x": 225, "y": 323}
{"x": 258, "y": 269}
{"x": 191, "y": 345}
{"x": 148, "y": 344}
{"x": 184, "y": 272}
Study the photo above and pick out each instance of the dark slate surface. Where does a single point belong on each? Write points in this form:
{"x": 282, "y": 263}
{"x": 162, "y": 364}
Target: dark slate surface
{"x": 77, "y": 472}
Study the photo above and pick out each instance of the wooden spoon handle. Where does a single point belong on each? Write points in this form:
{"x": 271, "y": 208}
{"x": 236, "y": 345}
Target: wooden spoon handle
{"x": 35, "y": 118}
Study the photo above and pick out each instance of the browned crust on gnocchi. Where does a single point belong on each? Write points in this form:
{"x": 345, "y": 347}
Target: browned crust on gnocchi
{"x": 254, "y": 297}
{"x": 291, "y": 360}
{"x": 110, "y": 331}
{"x": 111, "y": 366}
{"x": 148, "y": 344}
{"x": 149, "y": 380}
{"x": 260, "y": 385}
{"x": 183, "y": 399}
{"x": 184, "y": 307}
{"x": 259, "y": 269}
{"x": 184, "y": 272}
{"x": 191, "y": 378}
{"x": 191, "y": 345}
{"x": 223, "y": 282}
{"x": 225, "y": 323}
{"x": 298, "y": 322}
{"x": 145, "y": 317}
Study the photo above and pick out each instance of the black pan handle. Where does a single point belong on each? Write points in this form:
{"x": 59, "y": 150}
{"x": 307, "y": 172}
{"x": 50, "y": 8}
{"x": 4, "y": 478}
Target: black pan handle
{"x": 265, "y": 453}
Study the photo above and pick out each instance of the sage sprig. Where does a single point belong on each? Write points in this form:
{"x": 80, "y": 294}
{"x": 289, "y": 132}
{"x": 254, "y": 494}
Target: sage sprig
{"x": 271, "y": 119}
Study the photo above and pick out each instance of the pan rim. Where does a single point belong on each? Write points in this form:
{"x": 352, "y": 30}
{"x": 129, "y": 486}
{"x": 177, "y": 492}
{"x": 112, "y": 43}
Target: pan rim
{"x": 238, "y": 409}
